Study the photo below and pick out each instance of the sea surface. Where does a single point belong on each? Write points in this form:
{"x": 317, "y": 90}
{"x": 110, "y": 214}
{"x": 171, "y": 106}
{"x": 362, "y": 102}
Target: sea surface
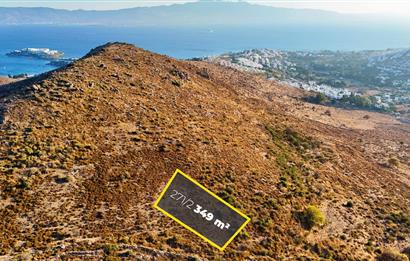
{"x": 76, "y": 41}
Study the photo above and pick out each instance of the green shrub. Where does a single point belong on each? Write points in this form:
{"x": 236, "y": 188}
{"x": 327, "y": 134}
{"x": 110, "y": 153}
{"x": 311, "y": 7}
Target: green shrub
{"x": 297, "y": 140}
{"x": 393, "y": 162}
{"x": 263, "y": 224}
{"x": 293, "y": 138}
{"x": 273, "y": 132}
{"x": 325, "y": 252}
{"x": 23, "y": 183}
{"x": 318, "y": 98}
{"x": 176, "y": 83}
{"x": 110, "y": 249}
{"x": 357, "y": 100}
{"x": 311, "y": 217}
{"x": 272, "y": 204}
{"x": 228, "y": 197}
{"x": 173, "y": 242}
{"x": 400, "y": 218}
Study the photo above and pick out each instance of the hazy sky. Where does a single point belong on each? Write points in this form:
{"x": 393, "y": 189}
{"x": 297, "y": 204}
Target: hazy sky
{"x": 345, "y": 6}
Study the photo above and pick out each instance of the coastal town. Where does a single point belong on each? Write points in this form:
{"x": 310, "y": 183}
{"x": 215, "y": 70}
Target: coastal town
{"x": 377, "y": 80}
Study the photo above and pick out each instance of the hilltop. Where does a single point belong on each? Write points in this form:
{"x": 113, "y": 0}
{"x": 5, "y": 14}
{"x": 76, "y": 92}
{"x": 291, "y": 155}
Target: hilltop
{"x": 86, "y": 149}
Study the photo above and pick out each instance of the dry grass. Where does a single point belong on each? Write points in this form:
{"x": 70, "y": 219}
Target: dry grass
{"x": 114, "y": 126}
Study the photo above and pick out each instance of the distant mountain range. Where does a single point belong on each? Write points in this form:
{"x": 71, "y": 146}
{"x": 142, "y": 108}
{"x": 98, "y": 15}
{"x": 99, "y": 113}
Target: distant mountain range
{"x": 201, "y": 13}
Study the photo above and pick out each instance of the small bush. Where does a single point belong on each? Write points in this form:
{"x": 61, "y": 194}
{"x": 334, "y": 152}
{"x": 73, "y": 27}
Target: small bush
{"x": 225, "y": 195}
{"x": 311, "y": 217}
{"x": 349, "y": 204}
{"x": 263, "y": 224}
{"x": 318, "y": 98}
{"x": 392, "y": 255}
{"x": 324, "y": 251}
{"x": 293, "y": 138}
{"x": 400, "y": 218}
{"x": 176, "y": 83}
{"x": 23, "y": 183}
{"x": 272, "y": 204}
{"x": 173, "y": 242}
{"x": 273, "y": 132}
{"x": 110, "y": 249}
{"x": 299, "y": 141}
{"x": 393, "y": 162}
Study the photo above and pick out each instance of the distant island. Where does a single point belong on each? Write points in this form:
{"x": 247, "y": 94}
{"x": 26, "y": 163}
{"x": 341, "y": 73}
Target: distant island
{"x": 39, "y": 53}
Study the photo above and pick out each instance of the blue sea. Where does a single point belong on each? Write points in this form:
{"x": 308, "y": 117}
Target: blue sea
{"x": 76, "y": 41}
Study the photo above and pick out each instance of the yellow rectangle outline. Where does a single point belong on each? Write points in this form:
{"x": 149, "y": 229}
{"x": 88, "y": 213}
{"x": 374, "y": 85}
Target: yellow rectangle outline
{"x": 212, "y": 194}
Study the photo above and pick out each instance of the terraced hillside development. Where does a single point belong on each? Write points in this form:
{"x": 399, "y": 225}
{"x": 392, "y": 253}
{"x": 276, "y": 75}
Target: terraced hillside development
{"x": 376, "y": 80}
{"x": 85, "y": 151}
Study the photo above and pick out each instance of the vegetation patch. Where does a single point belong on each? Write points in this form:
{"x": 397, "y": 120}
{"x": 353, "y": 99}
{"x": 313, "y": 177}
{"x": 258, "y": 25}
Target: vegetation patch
{"x": 392, "y": 255}
{"x": 400, "y": 218}
{"x": 349, "y": 101}
{"x": 317, "y": 98}
{"x": 393, "y": 162}
{"x": 110, "y": 249}
{"x": 311, "y": 217}
{"x": 293, "y": 138}
{"x": 292, "y": 152}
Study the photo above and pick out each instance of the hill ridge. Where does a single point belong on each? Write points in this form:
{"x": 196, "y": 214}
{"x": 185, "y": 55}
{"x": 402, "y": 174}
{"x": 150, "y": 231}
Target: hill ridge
{"x": 85, "y": 150}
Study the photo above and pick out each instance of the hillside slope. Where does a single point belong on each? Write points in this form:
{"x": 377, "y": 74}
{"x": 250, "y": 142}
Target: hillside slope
{"x": 85, "y": 151}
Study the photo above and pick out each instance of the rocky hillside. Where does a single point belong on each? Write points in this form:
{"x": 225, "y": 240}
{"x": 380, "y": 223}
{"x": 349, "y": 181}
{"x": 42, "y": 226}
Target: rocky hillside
{"x": 5, "y": 80}
{"x": 85, "y": 151}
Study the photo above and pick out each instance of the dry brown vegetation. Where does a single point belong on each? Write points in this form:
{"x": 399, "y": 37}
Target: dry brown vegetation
{"x": 6, "y": 80}
{"x": 85, "y": 151}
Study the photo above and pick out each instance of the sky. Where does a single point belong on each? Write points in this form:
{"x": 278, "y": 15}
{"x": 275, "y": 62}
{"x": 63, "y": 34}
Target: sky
{"x": 392, "y": 7}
